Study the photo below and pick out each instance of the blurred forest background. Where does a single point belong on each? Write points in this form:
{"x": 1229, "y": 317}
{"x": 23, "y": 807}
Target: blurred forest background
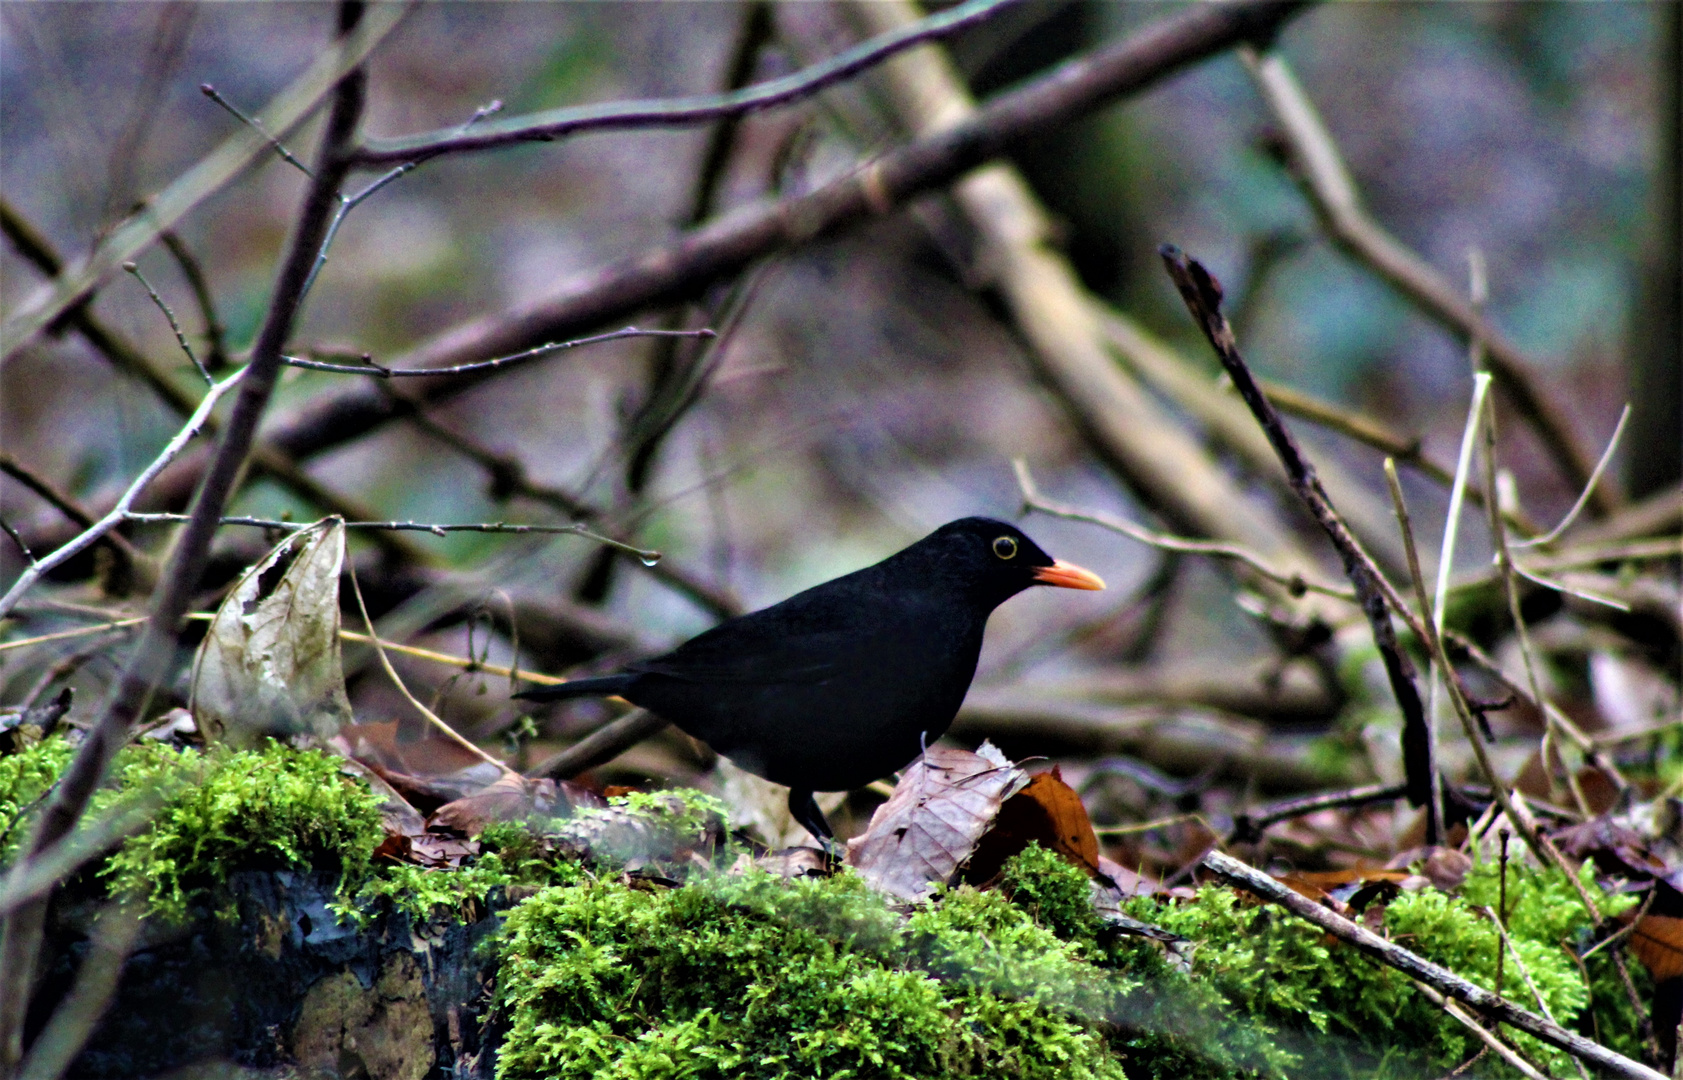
{"x": 871, "y": 384}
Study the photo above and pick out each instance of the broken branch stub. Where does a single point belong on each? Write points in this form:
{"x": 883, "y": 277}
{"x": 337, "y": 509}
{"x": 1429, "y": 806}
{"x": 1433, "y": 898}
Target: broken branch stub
{"x": 270, "y": 664}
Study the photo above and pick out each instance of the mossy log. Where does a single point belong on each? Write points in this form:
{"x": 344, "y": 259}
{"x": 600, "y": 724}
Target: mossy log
{"x": 285, "y": 987}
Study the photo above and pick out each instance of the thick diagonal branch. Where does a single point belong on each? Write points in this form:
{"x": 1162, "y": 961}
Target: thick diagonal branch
{"x": 683, "y": 267}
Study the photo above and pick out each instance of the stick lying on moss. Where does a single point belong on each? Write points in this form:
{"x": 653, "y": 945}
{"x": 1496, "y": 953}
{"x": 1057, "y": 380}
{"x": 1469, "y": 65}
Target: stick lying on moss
{"x": 1440, "y": 979}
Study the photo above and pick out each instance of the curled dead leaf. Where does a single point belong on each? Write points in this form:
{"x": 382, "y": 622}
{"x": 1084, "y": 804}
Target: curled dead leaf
{"x": 269, "y": 665}
{"x": 940, "y": 809}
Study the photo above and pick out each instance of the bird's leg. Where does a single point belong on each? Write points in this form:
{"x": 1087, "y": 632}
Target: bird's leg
{"x": 804, "y": 809}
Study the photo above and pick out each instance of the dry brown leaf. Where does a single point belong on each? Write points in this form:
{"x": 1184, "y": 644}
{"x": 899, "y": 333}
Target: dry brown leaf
{"x": 1047, "y": 812}
{"x": 269, "y": 665}
{"x": 1657, "y": 941}
{"x": 511, "y": 798}
{"x": 942, "y": 806}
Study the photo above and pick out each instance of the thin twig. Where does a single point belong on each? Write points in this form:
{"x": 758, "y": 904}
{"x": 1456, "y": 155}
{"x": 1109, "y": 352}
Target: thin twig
{"x": 1488, "y": 1038}
{"x": 196, "y": 281}
{"x": 677, "y": 112}
{"x": 646, "y": 555}
{"x": 1568, "y": 590}
{"x": 347, "y": 203}
{"x": 1248, "y": 827}
{"x": 601, "y": 746}
{"x": 1451, "y": 532}
{"x": 56, "y": 499}
{"x": 80, "y": 631}
{"x": 254, "y": 124}
{"x": 1202, "y": 295}
{"x": 17, "y": 538}
{"x": 1296, "y": 584}
{"x": 1407, "y": 449}
{"x": 465, "y": 663}
{"x": 148, "y": 661}
{"x": 1434, "y": 644}
{"x": 1589, "y": 487}
{"x": 381, "y": 371}
{"x": 119, "y": 512}
{"x": 1440, "y": 979}
{"x": 427, "y": 714}
{"x": 1506, "y": 573}
{"x": 508, "y": 476}
{"x": 1332, "y": 192}
{"x": 1506, "y": 944}
{"x": 174, "y": 324}
{"x": 1614, "y": 940}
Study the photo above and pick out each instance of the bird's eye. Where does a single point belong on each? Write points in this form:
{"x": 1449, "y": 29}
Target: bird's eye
{"x": 1005, "y": 547}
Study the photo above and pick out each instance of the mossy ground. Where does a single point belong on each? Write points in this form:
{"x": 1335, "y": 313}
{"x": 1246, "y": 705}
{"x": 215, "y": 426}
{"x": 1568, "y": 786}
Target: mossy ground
{"x": 607, "y": 974}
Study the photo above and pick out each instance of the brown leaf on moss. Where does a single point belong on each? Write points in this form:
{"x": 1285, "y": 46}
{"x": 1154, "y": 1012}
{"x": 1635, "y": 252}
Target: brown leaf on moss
{"x": 1047, "y": 812}
{"x": 1657, "y": 941}
{"x": 942, "y": 806}
{"x": 511, "y": 798}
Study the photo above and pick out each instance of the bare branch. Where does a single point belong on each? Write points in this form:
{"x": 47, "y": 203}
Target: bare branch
{"x": 1295, "y": 583}
{"x": 195, "y": 274}
{"x": 1202, "y": 295}
{"x": 1433, "y": 623}
{"x": 174, "y": 324}
{"x": 213, "y": 172}
{"x": 266, "y": 458}
{"x": 1442, "y": 980}
{"x": 20, "y": 937}
{"x": 602, "y": 745}
{"x": 1589, "y": 487}
{"x": 677, "y": 112}
{"x": 275, "y": 144}
{"x": 647, "y": 555}
{"x": 115, "y": 516}
{"x": 1333, "y": 193}
{"x": 678, "y": 269}
{"x": 372, "y": 368}
{"x": 1249, "y": 826}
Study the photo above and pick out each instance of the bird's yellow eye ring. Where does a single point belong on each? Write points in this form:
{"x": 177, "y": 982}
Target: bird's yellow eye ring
{"x": 1005, "y": 547}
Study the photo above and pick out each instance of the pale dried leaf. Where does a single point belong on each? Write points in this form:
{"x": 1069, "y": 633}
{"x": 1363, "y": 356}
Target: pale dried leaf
{"x": 269, "y": 664}
{"x": 941, "y": 808}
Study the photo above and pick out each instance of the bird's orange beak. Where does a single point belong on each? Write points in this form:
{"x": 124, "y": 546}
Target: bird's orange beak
{"x": 1068, "y": 576}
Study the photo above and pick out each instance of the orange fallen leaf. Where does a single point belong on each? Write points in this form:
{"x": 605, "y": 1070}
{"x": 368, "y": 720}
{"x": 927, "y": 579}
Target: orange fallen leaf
{"x": 1657, "y": 941}
{"x": 1047, "y": 812}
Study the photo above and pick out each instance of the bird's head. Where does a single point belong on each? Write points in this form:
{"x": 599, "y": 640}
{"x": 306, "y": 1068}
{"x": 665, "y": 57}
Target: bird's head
{"x": 994, "y": 560}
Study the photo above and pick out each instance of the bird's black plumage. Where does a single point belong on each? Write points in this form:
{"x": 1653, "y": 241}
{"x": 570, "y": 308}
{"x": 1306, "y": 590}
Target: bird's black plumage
{"x": 846, "y": 682}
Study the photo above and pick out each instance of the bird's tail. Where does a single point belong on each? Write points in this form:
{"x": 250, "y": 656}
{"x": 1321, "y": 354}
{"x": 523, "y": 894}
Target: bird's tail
{"x": 573, "y": 688}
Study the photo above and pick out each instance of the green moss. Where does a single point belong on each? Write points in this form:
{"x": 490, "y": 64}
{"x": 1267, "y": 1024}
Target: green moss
{"x": 755, "y": 976}
{"x": 1309, "y": 1006}
{"x": 24, "y": 778}
{"x": 1054, "y": 892}
{"x": 512, "y": 854}
{"x": 216, "y": 811}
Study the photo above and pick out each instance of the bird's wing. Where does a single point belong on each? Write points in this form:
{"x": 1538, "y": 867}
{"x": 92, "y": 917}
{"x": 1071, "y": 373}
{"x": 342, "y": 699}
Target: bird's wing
{"x": 754, "y": 658}
{"x": 806, "y": 639}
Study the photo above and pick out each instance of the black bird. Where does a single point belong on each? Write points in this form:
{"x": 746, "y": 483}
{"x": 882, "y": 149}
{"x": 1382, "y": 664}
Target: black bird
{"x": 848, "y": 681}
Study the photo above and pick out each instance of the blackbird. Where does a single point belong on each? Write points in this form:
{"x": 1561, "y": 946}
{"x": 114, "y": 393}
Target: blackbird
{"x": 848, "y": 681}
